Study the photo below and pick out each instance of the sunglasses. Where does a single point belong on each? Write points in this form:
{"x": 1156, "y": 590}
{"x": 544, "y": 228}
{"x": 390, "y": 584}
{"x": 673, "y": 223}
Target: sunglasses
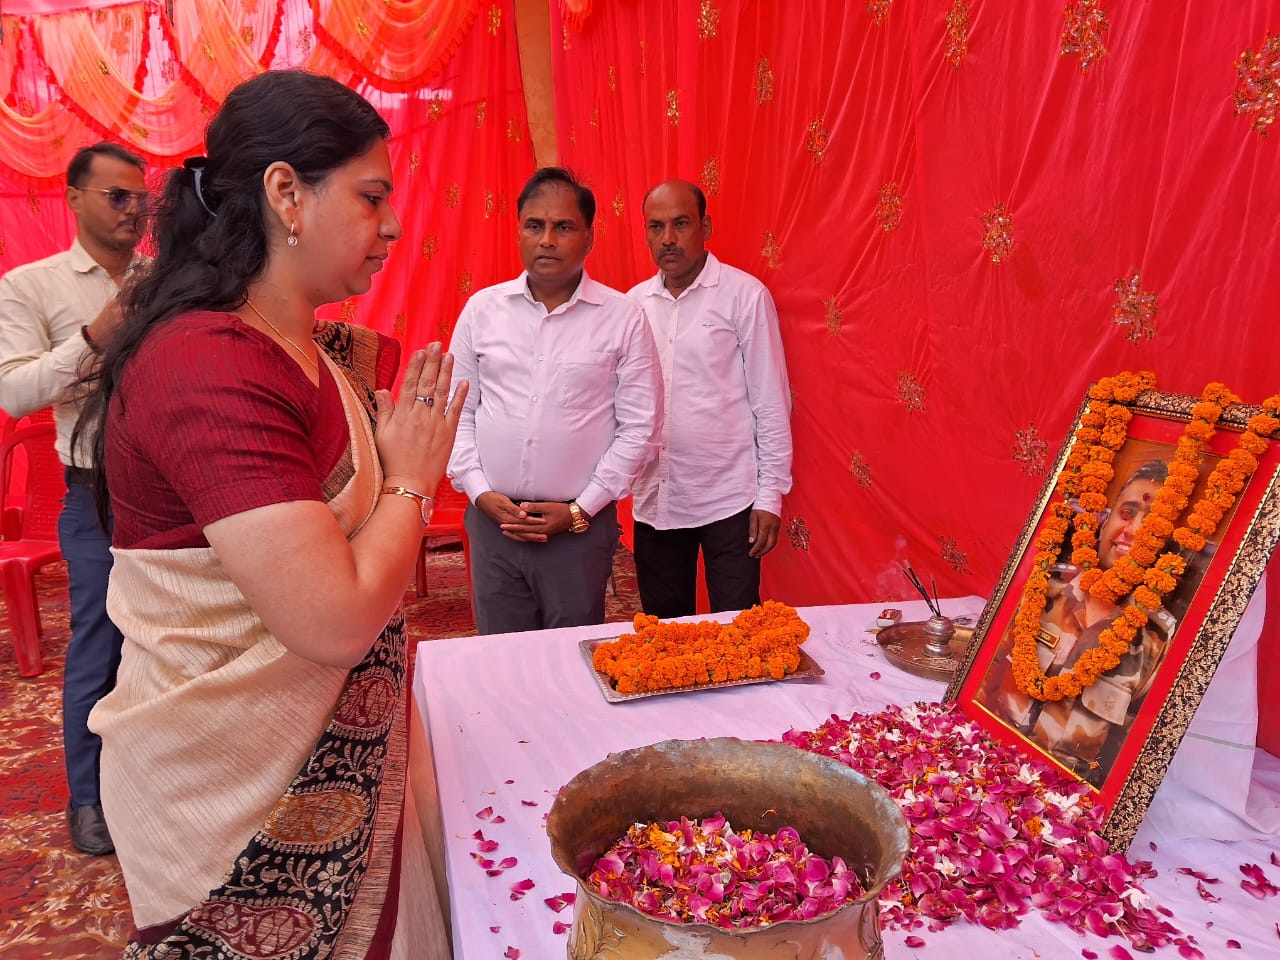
{"x": 118, "y": 198}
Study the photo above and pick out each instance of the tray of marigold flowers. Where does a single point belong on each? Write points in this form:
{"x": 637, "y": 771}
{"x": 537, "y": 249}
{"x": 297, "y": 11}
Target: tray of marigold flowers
{"x": 761, "y": 644}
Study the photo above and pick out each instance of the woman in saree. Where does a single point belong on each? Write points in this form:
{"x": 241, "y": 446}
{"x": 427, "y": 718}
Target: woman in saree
{"x": 268, "y": 499}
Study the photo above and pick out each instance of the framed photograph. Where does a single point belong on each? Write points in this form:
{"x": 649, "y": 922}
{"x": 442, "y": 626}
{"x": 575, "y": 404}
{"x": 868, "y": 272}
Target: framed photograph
{"x": 1043, "y": 681}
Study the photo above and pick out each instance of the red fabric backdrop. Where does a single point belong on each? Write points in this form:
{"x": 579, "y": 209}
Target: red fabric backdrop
{"x": 445, "y": 73}
{"x": 967, "y": 211}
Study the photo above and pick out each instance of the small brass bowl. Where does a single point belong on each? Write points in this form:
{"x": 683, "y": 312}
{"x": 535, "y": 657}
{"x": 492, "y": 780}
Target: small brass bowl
{"x": 757, "y": 786}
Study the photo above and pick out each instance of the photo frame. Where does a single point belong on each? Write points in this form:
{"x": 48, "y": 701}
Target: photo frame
{"x": 1119, "y": 734}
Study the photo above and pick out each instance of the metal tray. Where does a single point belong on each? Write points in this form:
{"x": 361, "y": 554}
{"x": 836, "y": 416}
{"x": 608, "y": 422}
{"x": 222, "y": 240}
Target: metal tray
{"x": 808, "y": 668}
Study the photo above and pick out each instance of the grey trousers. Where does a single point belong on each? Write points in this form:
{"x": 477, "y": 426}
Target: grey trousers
{"x": 532, "y": 586}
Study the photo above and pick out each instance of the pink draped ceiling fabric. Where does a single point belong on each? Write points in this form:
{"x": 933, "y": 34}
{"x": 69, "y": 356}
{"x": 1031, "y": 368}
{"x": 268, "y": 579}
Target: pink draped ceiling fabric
{"x": 967, "y": 211}
{"x": 445, "y": 73}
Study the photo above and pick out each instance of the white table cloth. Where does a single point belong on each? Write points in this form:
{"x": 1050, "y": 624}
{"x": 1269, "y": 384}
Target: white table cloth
{"x": 511, "y": 718}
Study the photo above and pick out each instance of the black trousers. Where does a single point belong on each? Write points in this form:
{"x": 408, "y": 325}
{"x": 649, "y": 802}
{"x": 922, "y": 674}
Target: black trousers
{"x": 667, "y": 567}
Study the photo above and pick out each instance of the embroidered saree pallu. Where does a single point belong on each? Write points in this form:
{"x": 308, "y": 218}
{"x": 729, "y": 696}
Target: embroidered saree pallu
{"x": 259, "y": 800}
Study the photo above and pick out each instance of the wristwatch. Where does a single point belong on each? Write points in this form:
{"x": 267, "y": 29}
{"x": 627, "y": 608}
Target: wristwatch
{"x": 426, "y": 505}
{"x": 578, "y": 521}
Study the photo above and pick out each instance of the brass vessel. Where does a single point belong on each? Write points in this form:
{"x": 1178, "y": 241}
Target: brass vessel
{"x": 761, "y": 786}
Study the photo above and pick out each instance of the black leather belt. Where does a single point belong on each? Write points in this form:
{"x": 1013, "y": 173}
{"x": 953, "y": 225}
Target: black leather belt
{"x": 79, "y": 475}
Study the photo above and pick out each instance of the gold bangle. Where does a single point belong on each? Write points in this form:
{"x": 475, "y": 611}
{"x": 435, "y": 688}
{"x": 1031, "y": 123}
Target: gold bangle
{"x": 426, "y": 504}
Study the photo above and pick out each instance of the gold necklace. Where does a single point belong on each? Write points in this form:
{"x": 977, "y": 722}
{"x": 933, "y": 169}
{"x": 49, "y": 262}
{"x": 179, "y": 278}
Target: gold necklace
{"x": 280, "y": 333}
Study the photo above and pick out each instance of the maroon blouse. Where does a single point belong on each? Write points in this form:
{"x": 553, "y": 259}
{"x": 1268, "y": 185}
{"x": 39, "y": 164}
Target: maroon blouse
{"x": 212, "y": 418}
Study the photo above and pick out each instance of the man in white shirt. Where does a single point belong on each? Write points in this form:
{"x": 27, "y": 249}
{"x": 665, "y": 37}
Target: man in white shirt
{"x": 54, "y": 314}
{"x": 562, "y": 414}
{"x": 725, "y": 446}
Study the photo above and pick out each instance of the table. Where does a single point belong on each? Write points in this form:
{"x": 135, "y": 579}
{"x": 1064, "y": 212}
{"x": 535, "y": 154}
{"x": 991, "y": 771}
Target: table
{"x": 510, "y": 718}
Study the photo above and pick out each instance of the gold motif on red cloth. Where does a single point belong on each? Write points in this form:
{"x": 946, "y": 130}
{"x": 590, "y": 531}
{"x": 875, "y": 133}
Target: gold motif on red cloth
{"x": 710, "y": 177}
{"x": 415, "y": 160}
{"x": 859, "y": 469}
{"x": 834, "y": 316}
{"x": 347, "y": 312}
{"x": 1083, "y": 23}
{"x": 316, "y": 819}
{"x": 488, "y": 204}
{"x": 482, "y": 112}
{"x": 798, "y": 533}
{"x": 771, "y": 250}
{"x": 613, "y": 79}
{"x": 878, "y": 9}
{"x": 1258, "y": 92}
{"x": 33, "y": 198}
{"x": 429, "y": 247}
{"x": 1135, "y": 309}
{"x": 673, "y": 107}
{"x": 595, "y": 116}
{"x": 816, "y": 140}
{"x": 451, "y": 196}
{"x": 910, "y": 392}
{"x": 997, "y": 232}
{"x": 495, "y": 20}
{"x": 564, "y": 33}
{"x": 764, "y": 81}
{"x": 644, "y": 65}
{"x": 262, "y": 931}
{"x": 246, "y": 34}
{"x": 435, "y": 108}
{"x": 513, "y": 131}
{"x": 708, "y": 20}
{"x": 3, "y": 245}
{"x": 465, "y": 282}
{"x": 399, "y": 325}
{"x": 304, "y": 41}
{"x": 957, "y": 47}
{"x": 889, "y": 206}
{"x": 1030, "y": 450}
{"x": 619, "y": 205}
{"x": 956, "y": 558}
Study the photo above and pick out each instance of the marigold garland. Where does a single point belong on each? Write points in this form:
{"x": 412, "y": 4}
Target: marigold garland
{"x": 762, "y": 641}
{"x": 1145, "y": 572}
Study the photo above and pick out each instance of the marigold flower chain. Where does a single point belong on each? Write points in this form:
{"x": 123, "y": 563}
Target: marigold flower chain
{"x": 1145, "y": 572}
{"x": 762, "y": 641}
{"x": 704, "y": 872}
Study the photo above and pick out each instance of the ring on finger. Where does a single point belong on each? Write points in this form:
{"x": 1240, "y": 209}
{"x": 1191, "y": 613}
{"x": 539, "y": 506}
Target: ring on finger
{"x": 427, "y": 400}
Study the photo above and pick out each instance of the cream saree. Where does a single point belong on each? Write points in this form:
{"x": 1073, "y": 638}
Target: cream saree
{"x": 258, "y": 801}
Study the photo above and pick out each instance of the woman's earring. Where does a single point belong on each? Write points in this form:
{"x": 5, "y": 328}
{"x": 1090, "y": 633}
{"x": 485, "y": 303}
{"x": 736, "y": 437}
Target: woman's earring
{"x": 293, "y": 238}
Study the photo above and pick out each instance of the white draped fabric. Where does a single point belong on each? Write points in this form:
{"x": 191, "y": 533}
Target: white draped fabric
{"x": 512, "y": 717}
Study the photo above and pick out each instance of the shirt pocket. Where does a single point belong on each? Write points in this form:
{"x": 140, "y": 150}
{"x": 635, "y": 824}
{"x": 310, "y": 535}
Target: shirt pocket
{"x": 585, "y": 381}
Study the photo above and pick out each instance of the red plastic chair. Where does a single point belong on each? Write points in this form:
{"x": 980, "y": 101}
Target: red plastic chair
{"x": 446, "y": 521}
{"x": 35, "y": 522}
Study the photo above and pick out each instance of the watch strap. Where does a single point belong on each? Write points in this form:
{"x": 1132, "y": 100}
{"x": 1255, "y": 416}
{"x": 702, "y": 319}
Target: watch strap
{"x": 426, "y": 504}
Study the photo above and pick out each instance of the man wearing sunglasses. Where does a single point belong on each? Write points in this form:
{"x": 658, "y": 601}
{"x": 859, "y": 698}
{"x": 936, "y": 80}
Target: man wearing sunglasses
{"x": 55, "y": 315}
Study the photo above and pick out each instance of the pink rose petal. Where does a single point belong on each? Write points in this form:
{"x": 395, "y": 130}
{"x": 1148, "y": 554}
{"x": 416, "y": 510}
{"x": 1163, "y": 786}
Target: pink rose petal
{"x": 512, "y": 953}
{"x": 1120, "y": 953}
{"x": 1235, "y": 944}
{"x": 1088, "y": 955}
{"x": 484, "y": 814}
{"x": 528, "y": 803}
{"x": 520, "y": 888}
{"x": 560, "y": 927}
{"x": 874, "y": 674}
{"x": 498, "y": 820}
{"x": 508, "y": 782}
{"x": 494, "y": 929}
{"x": 508, "y": 862}
{"x": 487, "y": 846}
{"x": 913, "y": 941}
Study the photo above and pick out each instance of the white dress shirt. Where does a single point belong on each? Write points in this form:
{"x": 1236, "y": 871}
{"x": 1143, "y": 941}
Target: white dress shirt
{"x": 563, "y": 405}
{"x": 726, "y": 436}
{"x": 43, "y": 305}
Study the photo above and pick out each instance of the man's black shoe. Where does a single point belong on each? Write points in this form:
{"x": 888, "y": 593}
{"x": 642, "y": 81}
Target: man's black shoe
{"x": 89, "y": 830}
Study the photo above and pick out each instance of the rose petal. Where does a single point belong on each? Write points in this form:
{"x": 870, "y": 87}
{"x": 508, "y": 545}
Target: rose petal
{"x": 528, "y": 803}
{"x": 512, "y": 953}
{"x": 913, "y": 941}
{"x": 484, "y": 814}
{"x": 560, "y": 927}
{"x": 494, "y": 929}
